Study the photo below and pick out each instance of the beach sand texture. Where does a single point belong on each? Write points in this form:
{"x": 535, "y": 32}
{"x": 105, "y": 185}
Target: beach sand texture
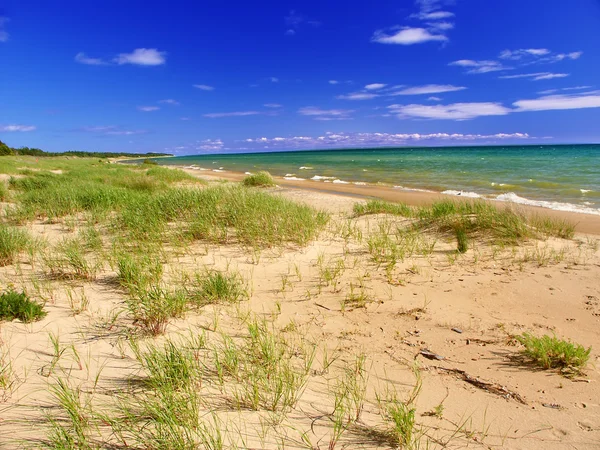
{"x": 431, "y": 331}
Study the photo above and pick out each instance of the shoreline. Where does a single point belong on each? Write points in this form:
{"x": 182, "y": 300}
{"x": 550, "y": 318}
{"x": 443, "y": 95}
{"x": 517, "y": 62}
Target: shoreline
{"x": 584, "y": 223}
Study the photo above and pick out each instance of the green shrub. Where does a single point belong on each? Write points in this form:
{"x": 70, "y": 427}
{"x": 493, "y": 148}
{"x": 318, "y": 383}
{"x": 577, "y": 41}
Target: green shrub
{"x": 260, "y": 179}
{"x": 17, "y": 305}
{"x": 551, "y": 352}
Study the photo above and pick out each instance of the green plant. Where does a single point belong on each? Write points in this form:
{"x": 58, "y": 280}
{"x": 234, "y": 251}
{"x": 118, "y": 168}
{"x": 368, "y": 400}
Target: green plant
{"x": 550, "y": 352}
{"x": 73, "y": 430}
{"x": 217, "y": 287}
{"x": 462, "y": 240}
{"x": 17, "y": 305}
{"x": 260, "y": 179}
{"x": 12, "y": 242}
{"x": 153, "y": 307}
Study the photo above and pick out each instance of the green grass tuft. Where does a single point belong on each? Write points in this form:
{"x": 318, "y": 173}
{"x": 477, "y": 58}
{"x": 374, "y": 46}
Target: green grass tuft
{"x": 472, "y": 220}
{"x": 260, "y": 179}
{"x": 17, "y": 305}
{"x": 12, "y": 242}
{"x": 551, "y": 352}
{"x": 217, "y": 287}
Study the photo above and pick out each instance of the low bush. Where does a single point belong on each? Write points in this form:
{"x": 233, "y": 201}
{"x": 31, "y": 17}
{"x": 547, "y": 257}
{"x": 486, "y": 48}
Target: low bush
{"x": 17, "y": 305}
{"x": 550, "y": 352}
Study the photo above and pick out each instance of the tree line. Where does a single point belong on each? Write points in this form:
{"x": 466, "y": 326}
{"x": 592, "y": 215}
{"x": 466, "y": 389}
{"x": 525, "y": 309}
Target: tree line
{"x": 6, "y": 150}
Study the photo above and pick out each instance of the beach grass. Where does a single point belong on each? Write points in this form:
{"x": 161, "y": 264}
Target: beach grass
{"x": 216, "y": 287}
{"x": 12, "y": 242}
{"x": 145, "y": 203}
{"x": 468, "y": 220}
{"x": 260, "y": 179}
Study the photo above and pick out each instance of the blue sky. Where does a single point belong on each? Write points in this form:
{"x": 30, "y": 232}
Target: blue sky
{"x": 197, "y": 77}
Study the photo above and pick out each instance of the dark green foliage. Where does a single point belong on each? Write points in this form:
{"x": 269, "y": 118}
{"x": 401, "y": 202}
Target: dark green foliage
{"x": 5, "y": 149}
{"x": 16, "y": 305}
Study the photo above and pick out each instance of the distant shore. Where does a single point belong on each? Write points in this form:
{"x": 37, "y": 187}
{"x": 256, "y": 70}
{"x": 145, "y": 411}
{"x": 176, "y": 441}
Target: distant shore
{"x": 584, "y": 223}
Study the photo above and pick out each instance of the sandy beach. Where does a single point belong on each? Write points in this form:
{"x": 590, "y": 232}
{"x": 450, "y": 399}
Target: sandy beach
{"x": 435, "y": 332}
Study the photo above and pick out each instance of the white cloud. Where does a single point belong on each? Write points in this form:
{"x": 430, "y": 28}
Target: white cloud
{"x": 82, "y": 58}
{"x": 274, "y": 79}
{"x": 142, "y": 57}
{"x": 429, "y": 89}
{"x": 210, "y": 144}
{"x": 342, "y": 139}
{"x": 440, "y": 26}
{"x": 3, "y": 32}
{"x": 536, "y": 76}
{"x": 294, "y": 20}
{"x": 437, "y": 15}
{"x": 111, "y": 130}
{"x": 169, "y": 101}
{"x": 357, "y": 96}
{"x": 272, "y": 105}
{"x": 523, "y": 52}
{"x": 560, "y": 102}
{"x": 204, "y": 87}
{"x": 537, "y": 55}
{"x": 334, "y": 82}
{"x": 325, "y": 114}
{"x": 11, "y": 128}
{"x": 434, "y": 99}
{"x": 231, "y": 114}
{"x": 483, "y": 66}
{"x": 148, "y": 108}
{"x": 184, "y": 118}
{"x": 454, "y": 111}
{"x": 407, "y": 36}
{"x": 375, "y": 86}
{"x": 574, "y": 88}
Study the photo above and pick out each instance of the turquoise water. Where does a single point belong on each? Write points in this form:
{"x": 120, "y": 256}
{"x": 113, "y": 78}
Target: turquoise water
{"x": 565, "y": 177}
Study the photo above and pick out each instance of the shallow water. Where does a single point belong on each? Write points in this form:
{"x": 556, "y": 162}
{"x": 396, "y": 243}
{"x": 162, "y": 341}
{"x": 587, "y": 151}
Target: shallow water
{"x": 563, "y": 177}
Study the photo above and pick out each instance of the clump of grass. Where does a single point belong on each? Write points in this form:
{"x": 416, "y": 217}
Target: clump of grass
{"x": 70, "y": 261}
{"x": 462, "y": 240}
{"x": 403, "y": 431}
{"x": 175, "y": 366}
{"x": 136, "y": 272}
{"x": 260, "y": 179}
{"x": 550, "y": 352}
{"x": 72, "y": 431}
{"x": 4, "y": 194}
{"x": 154, "y": 306}
{"x": 472, "y": 219}
{"x": 171, "y": 175}
{"x": 217, "y": 287}
{"x": 12, "y": 242}
{"x": 17, "y": 305}
{"x": 381, "y": 207}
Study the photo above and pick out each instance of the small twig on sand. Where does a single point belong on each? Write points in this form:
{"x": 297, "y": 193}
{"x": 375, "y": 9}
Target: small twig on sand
{"x": 491, "y": 387}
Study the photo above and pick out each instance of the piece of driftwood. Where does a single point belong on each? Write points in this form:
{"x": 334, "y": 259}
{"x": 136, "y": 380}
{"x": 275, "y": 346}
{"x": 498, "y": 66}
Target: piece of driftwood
{"x": 488, "y": 386}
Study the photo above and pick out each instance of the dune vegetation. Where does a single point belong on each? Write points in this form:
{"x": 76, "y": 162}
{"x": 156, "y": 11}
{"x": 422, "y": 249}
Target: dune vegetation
{"x": 143, "y": 307}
